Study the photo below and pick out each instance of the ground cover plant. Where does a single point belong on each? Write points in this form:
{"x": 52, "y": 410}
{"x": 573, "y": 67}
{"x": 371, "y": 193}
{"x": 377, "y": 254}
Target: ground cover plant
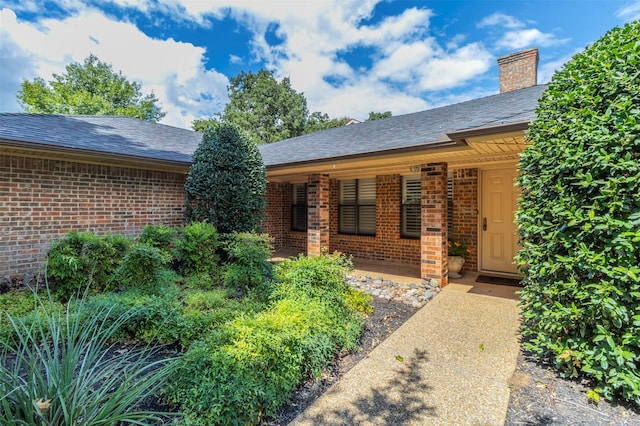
{"x": 247, "y": 333}
{"x": 249, "y": 367}
{"x": 579, "y": 218}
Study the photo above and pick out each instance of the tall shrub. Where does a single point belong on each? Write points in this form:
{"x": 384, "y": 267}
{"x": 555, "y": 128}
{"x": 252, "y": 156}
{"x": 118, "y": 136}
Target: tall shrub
{"x": 227, "y": 181}
{"x": 579, "y": 217}
{"x": 196, "y": 249}
{"x": 84, "y": 260}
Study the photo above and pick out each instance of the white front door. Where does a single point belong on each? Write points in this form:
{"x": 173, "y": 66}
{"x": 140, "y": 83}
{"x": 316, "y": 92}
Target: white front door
{"x": 499, "y": 241}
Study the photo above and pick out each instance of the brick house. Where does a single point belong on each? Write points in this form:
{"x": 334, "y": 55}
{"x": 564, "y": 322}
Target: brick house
{"x": 98, "y": 173}
{"x": 391, "y": 190}
{"x": 395, "y": 189}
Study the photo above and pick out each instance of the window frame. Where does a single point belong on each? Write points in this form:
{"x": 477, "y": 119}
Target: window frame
{"x": 299, "y": 208}
{"x": 360, "y": 207}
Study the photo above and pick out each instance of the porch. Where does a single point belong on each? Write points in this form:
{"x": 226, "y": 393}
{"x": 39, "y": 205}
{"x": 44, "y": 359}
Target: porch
{"x": 405, "y": 273}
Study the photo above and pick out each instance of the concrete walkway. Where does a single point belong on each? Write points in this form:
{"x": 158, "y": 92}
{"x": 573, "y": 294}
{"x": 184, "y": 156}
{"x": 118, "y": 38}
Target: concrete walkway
{"x": 447, "y": 365}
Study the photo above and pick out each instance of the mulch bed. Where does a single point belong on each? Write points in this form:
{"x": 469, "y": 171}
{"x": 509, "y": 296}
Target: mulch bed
{"x": 540, "y": 397}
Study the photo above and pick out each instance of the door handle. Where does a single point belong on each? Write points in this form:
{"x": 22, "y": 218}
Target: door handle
{"x": 484, "y": 223}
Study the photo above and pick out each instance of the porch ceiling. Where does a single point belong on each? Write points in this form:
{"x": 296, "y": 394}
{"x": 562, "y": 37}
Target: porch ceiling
{"x": 472, "y": 151}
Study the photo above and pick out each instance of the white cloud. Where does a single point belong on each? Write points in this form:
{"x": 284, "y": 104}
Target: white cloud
{"x": 500, "y": 19}
{"x": 407, "y": 64}
{"x": 629, "y": 12}
{"x": 173, "y": 70}
{"x": 519, "y": 39}
{"x": 513, "y": 33}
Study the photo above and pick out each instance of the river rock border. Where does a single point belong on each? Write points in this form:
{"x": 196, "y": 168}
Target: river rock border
{"x": 414, "y": 295}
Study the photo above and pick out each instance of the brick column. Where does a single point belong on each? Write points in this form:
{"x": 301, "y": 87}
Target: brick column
{"x": 318, "y": 195}
{"x": 465, "y": 213}
{"x": 433, "y": 238}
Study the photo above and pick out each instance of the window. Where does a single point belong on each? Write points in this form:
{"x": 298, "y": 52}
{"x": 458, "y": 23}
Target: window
{"x": 410, "y": 215}
{"x": 299, "y": 207}
{"x": 357, "y": 207}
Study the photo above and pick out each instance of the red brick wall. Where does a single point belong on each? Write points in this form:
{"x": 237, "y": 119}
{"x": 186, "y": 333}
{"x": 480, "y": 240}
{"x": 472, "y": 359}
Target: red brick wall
{"x": 387, "y": 244}
{"x": 278, "y": 219}
{"x": 41, "y": 199}
{"x": 465, "y": 213}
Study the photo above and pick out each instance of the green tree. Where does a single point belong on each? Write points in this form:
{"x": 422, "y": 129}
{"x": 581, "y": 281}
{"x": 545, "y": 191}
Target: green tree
{"x": 378, "y": 115}
{"x": 579, "y": 218}
{"x": 320, "y": 121}
{"x": 91, "y": 88}
{"x": 227, "y": 181}
{"x": 270, "y": 109}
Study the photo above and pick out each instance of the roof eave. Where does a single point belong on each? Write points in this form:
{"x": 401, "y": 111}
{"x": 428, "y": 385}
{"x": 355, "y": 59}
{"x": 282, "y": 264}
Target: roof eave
{"x": 100, "y": 155}
{"x": 461, "y": 135}
{"x": 371, "y": 154}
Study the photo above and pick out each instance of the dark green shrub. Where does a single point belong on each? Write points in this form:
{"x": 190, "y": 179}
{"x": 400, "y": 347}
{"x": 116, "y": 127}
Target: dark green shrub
{"x": 172, "y": 317}
{"x": 196, "y": 249}
{"x": 159, "y": 236}
{"x": 248, "y": 368}
{"x": 144, "y": 268}
{"x": 249, "y": 255}
{"x": 84, "y": 260}
{"x": 227, "y": 181}
{"x": 579, "y": 218}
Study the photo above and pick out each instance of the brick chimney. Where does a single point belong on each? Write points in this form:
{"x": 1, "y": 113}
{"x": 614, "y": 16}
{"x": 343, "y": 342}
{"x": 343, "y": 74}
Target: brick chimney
{"x": 518, "y": 70}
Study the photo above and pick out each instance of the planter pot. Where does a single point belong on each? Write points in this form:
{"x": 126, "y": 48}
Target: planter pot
{"x": 455, "y": 266}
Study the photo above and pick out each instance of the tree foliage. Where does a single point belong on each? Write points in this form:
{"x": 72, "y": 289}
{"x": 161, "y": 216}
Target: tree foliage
{"x": 271, "y": 109}
{"x": 227, "y": 182}
{"x": 378, "y": 115}
{"x": 579, "y": 217}
{"x": 91, "y": 88}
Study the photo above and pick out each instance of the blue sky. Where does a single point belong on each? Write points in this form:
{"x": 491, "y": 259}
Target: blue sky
{"x": 348, "y": 57}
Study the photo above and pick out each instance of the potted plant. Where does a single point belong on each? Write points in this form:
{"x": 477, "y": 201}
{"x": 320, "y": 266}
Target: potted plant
{"x": 456, "y": 250}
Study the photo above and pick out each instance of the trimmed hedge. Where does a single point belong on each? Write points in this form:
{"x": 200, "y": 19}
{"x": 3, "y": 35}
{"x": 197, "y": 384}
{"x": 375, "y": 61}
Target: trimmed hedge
{"x": 579, "y": 218}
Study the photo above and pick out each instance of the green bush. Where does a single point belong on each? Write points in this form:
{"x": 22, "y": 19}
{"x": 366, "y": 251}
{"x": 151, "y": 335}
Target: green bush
{"x": 56, "y": 372}
{"x": 173, "y": 317}
{"x": 319, "y": 276}
{"x": 249, "y": 265}
{"x": 245, "y": 370}
{"x": 28, "y": 307}
{"x": 227, "y": 181}
{"x": 159, "y": 236}
{"x": 579, "y": 218}
{"x": 196, "y": 249}
{"x": 84, "y": 260}
{"x": 144, "y": 267}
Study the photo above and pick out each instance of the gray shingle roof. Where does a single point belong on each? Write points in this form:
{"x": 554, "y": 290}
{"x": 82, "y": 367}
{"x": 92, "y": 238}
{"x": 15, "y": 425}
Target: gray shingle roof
{"x": 425, "y": 128}
{"x": 136, "y": 138}
{"x": 101, "y": 134}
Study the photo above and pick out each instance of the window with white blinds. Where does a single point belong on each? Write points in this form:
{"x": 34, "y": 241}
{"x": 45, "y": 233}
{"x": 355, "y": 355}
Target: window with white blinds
{"x": 410, "y": 215}
{"x": 299, "y": 207}
{"x": 357, "y": 207}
